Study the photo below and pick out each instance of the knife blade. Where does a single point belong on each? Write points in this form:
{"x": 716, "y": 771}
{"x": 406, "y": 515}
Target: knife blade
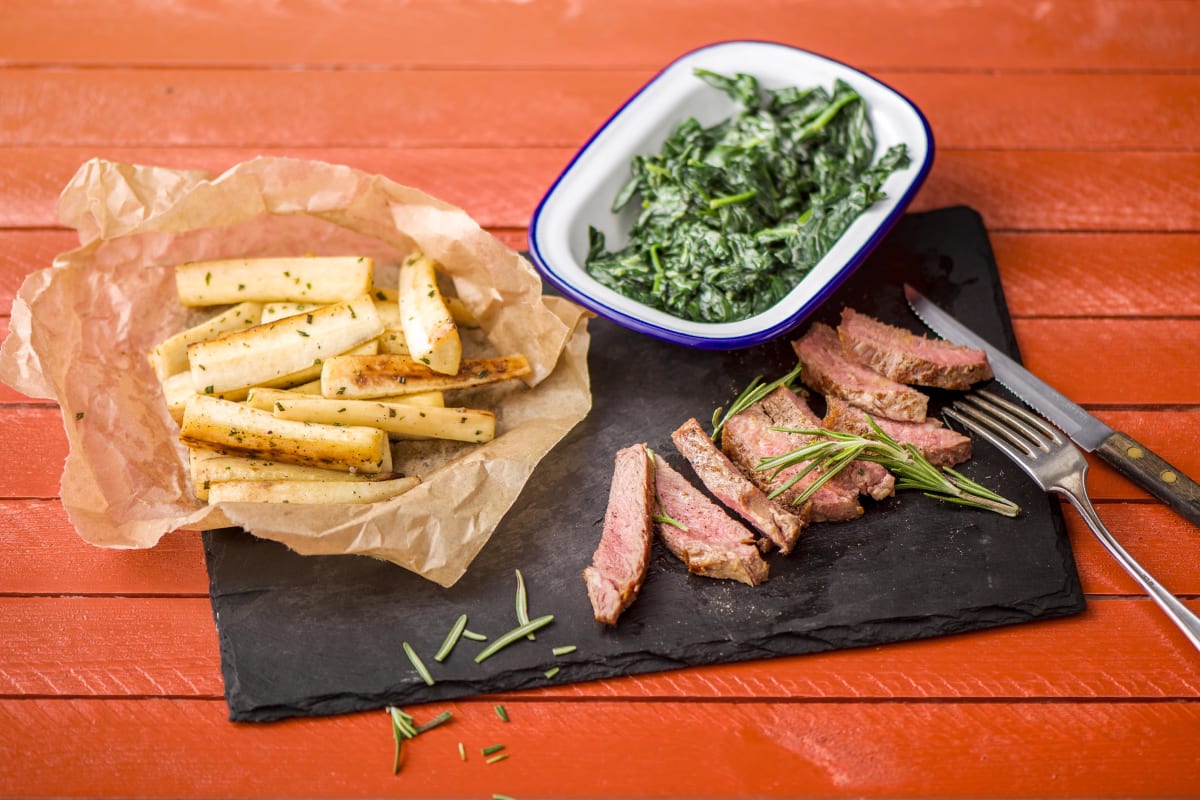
{"x": 1132, "y": 459}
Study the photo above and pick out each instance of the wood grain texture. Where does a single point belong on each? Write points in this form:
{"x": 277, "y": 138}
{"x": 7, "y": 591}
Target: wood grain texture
{"x": 938, "y": 34}
{"x": 1012, "y": 189}
{"x": 760, "y": 749}
{"x": 541, "y": 108}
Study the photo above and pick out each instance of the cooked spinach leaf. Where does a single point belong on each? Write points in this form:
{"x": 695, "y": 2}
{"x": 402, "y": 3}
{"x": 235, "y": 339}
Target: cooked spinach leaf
{"x": 734, "y": 215}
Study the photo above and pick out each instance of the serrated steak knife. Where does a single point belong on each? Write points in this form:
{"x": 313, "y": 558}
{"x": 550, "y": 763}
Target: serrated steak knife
{"x": 1133, "y": 460}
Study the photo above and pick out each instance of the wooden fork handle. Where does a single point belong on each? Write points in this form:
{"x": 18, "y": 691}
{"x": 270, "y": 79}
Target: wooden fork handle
{"x": 1145, "y": 468}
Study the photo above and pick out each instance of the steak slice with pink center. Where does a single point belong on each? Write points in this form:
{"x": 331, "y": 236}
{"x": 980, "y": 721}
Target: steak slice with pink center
{"x": 906, "y": 357}
{"x": 620, "y": 561}
{"x": 828, "y": 370}
{"x": 722, "y": 477}
{"x": 748, "y": 438}
{"x": 709, "y": 541}
{"x": 864, "y": 477}
{"x": 940, "y": 445}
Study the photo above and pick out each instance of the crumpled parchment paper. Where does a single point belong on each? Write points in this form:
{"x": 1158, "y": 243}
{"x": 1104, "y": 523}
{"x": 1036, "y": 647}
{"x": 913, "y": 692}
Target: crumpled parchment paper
{"x": 80, "y": 331}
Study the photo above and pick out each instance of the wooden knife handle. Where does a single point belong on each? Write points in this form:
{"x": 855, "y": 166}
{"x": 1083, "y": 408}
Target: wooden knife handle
{"x": 1138, "y": 463}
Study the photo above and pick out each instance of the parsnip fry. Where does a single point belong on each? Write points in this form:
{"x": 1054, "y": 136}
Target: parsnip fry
{"x": 178, "y": 389}
{"x": 298, "y": 280}
{"x": 282, "y": 310}
{"x": 264, "y": 398}
{"x": 286, "y": 350}
{"x": 457, "y": 424}
{"x": 240, "y": 430}
{"x": 392, "y": 341}
{"x": 314, "y": 492}
{"x": 170, "y": 356}
{"x": 429, "y": 330}
{"x": 458, "y": 309}
{"x": 372, "y": 377}
{"x": 209, "y": 467}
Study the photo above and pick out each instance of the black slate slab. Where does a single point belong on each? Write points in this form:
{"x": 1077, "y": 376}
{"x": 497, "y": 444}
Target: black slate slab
{"x": 323, "y": 635}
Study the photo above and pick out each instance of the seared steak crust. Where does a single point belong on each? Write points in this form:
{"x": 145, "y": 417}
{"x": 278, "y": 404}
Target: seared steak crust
{"x": 722, "y": 477}
{"x": 620, "y": 561}
{"x": 828, "y": 370}
{"x": 706, "y": 539}
{"x": 906, "y": 357}
{"x": 940, "y": 445}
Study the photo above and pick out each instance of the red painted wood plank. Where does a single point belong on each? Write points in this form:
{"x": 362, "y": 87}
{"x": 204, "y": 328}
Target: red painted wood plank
{"x": 44, "y": 555}
{"x": 1117, "y": 34}
{"x": 570, "y": 749}
{"x": 1098, "y": 274}
{"x": 493, "y": 108}
{"x": 1013, "y": 190}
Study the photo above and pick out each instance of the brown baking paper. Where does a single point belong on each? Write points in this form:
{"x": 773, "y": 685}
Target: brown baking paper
{"x": 80, "y": 331}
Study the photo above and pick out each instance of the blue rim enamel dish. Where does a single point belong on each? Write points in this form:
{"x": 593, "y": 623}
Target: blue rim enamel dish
{"x": 583, "y": 194}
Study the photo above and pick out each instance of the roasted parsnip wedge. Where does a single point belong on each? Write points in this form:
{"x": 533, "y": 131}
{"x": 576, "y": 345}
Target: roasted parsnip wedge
{"x": 458, "y": 309}
{"x": 392, "y": 341}
{"x": 398, "y": 419}
{"x": 298, "y": 280}
{"x": 371, "y": 377}
{"x": 274, "y": 311}
{"x": 286, "y": 350}
{"x": 170, "y": 356}
{"x": 238, "y": 429}
{"x": 429, "y": 331}
{"x": 209, "y": 467}
{"x": 264, "y": 398}
{"x": 319, "y": 492}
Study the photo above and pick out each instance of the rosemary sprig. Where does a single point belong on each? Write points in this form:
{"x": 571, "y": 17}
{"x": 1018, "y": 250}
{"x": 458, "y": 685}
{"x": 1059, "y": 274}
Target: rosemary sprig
{"x": 832, "y": 451}
{"x": 756, "y": 391}
{"x": 518, "y": 632}
{"x": 522, "y": 603}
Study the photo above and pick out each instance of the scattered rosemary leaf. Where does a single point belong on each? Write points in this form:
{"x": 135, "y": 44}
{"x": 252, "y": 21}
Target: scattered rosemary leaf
{"x": 452, "y": 637}
{"x": 522, "y": 603}
{"x": 502, "y": 797}
{"x": 496, "y": 758}
{"x": 492, "y": 748}
{"x": 753, "y": 393}
{"x": 502, "y": 713}
{"x": 550, "y": 673}
{"x": 78, "y": 415}
{"x": 566, "y": 649}
{"x": 462, "y": 751}
{"x": 508, "y": 638}
{"x": 418, "y": 663}
{"x": 473, "y": 636}
{"x": 440, "y": 719}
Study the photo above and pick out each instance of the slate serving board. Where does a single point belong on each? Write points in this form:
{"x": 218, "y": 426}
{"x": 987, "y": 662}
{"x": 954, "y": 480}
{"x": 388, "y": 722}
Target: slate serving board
{"x": 323, "y": 635}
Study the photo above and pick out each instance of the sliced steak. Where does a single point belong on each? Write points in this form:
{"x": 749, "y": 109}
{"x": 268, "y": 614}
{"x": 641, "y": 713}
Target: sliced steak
{"x": 619, "y": 563}
{"x": 828, "y": 370}
{"x": 747, "y": 439}
{"x": 906, "y": 357}
{"x": 722, "y": 477}
{"x": 940, "y": 445}
{"x": 863, "y": 477}
{"x": 706, "y": 539}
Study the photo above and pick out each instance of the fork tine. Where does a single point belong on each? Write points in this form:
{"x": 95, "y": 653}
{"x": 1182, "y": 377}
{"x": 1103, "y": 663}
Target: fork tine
{"x": 975, "y": 422}
{"x": 987, "y": 412}
{"x": 1023, "y": 414}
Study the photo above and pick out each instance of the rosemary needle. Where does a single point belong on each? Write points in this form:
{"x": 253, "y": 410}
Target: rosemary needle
{"x": 452, "y": 637}
{"x": 440, "y": 719}
{"x": 473, "y": 636}
{"x": 516, "y": 633}
{"x": 462, "y": 751}
{"x": 550, "y": 673}
{"x": 496, "y": 758}
{"x": 418, "y": 663}
{"x": 522, "y": 603}
{"x": 501, "y": 713}
{"x": 565, "y": 650}
{"x": 753, "y": 393}
{"x": 492, "y": 748}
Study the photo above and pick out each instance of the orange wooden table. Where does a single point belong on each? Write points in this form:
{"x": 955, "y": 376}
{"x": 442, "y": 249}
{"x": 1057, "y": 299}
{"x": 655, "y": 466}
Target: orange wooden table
{"x": 1072, "y": 126}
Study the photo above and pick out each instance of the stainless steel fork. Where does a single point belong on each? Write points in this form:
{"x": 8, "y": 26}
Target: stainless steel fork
{"x": 1058, "y": 466}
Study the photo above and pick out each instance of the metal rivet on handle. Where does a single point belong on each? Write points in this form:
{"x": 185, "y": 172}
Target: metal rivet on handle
{"x": 1135, "y": 452}
{"x": 1168, "y": 476}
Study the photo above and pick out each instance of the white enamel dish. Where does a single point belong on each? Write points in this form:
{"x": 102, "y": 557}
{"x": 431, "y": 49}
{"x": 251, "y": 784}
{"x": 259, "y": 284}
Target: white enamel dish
{"x": 582, "y": 196}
